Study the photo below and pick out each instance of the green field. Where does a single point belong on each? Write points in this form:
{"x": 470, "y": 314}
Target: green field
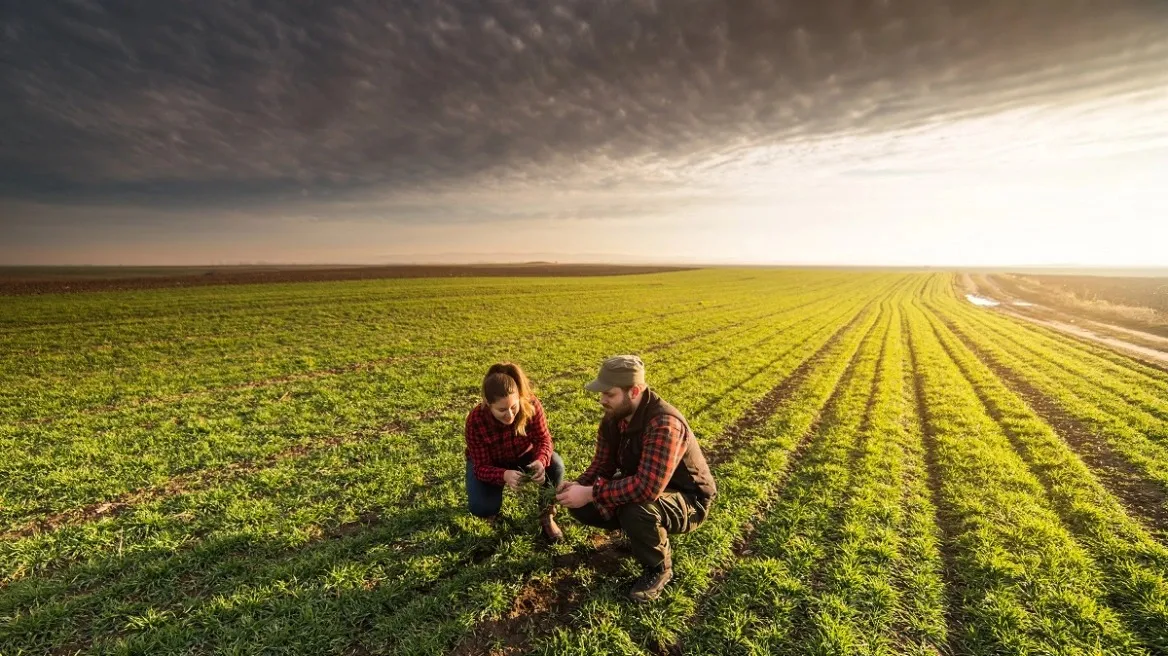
{"x": 278, "y": 469}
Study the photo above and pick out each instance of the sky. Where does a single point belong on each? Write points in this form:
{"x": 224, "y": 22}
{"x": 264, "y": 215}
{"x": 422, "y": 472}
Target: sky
{"x": 857, "y": 132}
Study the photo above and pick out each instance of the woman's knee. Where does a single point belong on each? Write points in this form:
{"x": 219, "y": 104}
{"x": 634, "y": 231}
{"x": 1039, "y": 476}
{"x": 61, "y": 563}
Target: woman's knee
{"x": 483, "y": 507}
{"x": 482, "y": 500}
{"x": 555, "y": 469}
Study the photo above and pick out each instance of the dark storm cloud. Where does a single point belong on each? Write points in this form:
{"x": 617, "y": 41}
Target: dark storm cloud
{"x": 216, "y": 102}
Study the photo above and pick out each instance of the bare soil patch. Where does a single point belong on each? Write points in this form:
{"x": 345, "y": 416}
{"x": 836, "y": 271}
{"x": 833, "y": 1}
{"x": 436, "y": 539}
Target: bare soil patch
{"x": 544, "y": 602}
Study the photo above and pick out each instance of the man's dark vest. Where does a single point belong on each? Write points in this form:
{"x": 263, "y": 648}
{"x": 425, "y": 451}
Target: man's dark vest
{"x": 692, "y": 475}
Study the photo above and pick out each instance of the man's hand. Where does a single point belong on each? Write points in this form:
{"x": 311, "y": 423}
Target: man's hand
{"x": 575, "y": 495}
{"x": 513, "y": 478}
{"x": 537, "y": 471}
{"x": 564, "y": 485}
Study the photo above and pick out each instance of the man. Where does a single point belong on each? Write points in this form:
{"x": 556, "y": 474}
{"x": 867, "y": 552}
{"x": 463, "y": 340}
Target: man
{"x": 648, "y": 476}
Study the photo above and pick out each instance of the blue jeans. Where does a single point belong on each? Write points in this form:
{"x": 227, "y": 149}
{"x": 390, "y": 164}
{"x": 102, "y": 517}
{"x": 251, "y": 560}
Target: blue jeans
{"x": 485, "y": 499}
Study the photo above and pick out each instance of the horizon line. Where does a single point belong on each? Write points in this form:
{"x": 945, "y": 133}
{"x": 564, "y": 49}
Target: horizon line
{"x": 628, "y": 263}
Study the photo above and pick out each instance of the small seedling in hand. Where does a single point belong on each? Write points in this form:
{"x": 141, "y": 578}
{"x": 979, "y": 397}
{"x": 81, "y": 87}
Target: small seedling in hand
{"x": 544, "y": 494}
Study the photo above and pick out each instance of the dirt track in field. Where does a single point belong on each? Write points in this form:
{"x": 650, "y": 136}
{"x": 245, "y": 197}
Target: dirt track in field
{"x": 1075, "y": 326}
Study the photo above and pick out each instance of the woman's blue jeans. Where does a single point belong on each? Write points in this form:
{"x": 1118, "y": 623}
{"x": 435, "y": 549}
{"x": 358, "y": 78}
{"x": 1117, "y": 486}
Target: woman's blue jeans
{"x": 485, "y": 500}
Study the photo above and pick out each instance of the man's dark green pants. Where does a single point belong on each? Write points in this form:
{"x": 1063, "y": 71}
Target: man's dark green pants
{"x": 648, "y": 525}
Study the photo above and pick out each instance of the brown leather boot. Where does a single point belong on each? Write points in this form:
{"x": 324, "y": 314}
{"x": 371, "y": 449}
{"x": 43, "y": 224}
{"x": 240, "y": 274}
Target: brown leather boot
{"x": 547, "y": 521}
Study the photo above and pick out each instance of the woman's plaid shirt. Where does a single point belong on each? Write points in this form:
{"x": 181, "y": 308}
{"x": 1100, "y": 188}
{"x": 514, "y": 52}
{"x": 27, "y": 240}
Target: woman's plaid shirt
{"x": 492, "y": 446}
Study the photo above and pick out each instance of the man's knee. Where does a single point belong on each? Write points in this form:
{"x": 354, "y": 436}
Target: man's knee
{"x": 584, "y": 515}
{"x": 588, "y": 515}
{"x": 637, "y": 514}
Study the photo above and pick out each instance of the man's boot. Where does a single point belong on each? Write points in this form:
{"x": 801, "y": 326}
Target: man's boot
{"x": 547, "y": 521}
{"x": 650, "y": 584}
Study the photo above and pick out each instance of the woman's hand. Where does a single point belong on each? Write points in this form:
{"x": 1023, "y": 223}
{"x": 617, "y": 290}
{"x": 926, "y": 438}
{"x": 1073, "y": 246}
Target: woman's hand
{"x": 513, "y": 479}
{"x": 538, "y": 472}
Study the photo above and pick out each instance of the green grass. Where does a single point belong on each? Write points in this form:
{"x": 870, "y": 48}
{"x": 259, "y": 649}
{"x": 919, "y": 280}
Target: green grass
{"x": 1118, "y": 419}
{"x": 279, "y": 469}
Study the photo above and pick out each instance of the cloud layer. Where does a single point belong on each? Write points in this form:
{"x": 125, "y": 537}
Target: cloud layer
{"x": 229, "y": 103}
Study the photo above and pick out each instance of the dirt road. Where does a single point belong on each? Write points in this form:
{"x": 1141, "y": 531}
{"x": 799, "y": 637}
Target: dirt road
{"x": 1149, "y": 354}
{"x": 1150, "y": 348}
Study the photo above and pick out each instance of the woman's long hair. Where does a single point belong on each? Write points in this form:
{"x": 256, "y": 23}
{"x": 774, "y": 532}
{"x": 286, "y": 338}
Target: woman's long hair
{"x": 504, "y": 379}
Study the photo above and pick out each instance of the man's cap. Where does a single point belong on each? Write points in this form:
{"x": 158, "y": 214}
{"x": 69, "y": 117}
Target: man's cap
{"x": 618, "y": 371}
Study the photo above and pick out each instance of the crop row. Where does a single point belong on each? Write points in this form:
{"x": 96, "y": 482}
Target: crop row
{"x": 1021, "y": 581}
{"x": 1111, "y": 424}
{"x": 768, "y": 601}
{"x": 1133, "y": 566}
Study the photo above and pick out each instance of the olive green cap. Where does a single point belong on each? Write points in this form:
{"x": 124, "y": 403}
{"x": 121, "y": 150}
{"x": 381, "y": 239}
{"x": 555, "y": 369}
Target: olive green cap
{"x": 618, "y": 371}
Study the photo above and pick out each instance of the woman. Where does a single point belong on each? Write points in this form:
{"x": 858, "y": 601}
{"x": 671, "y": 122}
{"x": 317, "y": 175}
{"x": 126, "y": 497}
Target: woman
{"x": 507, "y": 438}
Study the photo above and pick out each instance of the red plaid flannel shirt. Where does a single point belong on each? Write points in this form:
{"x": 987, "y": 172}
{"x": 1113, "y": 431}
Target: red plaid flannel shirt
{"x": 662, "y": 449}
{"x": 490, "y": 445}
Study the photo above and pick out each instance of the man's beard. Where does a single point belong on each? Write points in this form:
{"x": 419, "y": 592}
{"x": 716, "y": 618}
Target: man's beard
{"x": 621, "y": 411}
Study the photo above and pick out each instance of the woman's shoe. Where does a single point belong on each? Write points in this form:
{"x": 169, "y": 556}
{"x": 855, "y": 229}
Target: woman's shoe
{"x": 547, "y": 521}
